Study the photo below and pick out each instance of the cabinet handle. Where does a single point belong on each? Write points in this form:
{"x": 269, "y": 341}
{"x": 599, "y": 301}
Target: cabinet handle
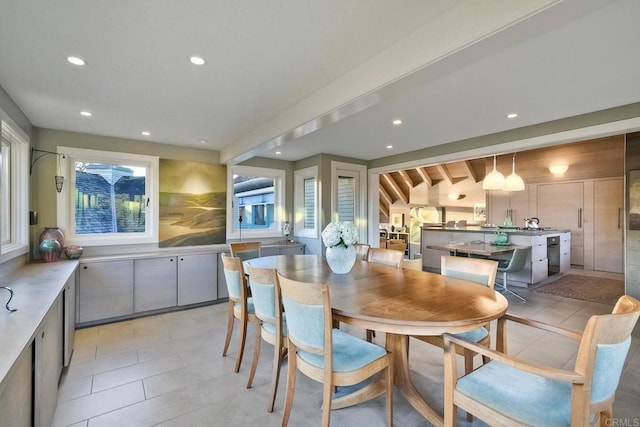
{"x": 170, "y": 259}
{"x": 619, "y": 217}
{"x": 579, "y": 217}
{"x": 85, "y": 267}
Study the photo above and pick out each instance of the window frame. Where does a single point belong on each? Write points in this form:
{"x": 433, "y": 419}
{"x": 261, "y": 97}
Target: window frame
{"x": 299, "y": 229}
{"x": 18, "y": 188}
{"x": 66, "y": 198}
{"x": 359, "y": 172}
{"x": 279, "y": 181}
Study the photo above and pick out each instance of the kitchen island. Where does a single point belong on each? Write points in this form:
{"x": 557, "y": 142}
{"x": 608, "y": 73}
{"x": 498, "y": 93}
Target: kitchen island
{"x": 550, "y": 249}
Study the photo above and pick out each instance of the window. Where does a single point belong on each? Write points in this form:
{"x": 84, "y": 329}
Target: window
{"x": 306, "y": 202}
{"x": 14, "y": 178}
{"x": 349, "y": 195}
{"x": 255, "y": 201}
{"x": 106, "y": 198}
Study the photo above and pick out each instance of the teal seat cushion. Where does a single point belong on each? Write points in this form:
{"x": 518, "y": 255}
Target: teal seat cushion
{"x": 474, "y": 336}
{"x": 271, "y": 327}
{"x": 529, "y": 399}
{"x": 349, "y": 353}
{"x": 250, "y": 307}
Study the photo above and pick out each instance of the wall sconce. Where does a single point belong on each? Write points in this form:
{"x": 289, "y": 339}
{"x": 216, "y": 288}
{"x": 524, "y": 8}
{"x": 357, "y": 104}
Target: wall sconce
{"x": 456, "y": 196}
{"x": 59, "y": 179}
{"x": 558, "y": 169}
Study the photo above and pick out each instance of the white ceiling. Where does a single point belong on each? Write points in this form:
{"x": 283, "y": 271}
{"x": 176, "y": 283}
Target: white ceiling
{"x": 323, "y": 76}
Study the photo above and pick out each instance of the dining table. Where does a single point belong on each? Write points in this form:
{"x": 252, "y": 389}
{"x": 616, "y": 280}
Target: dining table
{"x": 399, "y": 302}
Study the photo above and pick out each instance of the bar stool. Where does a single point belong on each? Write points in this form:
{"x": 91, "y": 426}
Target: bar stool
{"x": 513, "y": 265}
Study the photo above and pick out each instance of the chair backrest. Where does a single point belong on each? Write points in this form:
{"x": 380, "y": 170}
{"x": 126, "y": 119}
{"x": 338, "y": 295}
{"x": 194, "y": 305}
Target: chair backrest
{"x": 386, "y": 257}
{"x": 450, "y": 224}
{"x": 309, "y": 319}
{"x": 482, "y": 271}
{"x": 517, "y": 261}
{"x": 461, "y": 224}
{"x": 362, "y": 251}
{"x": 245, "y": 250}
{"x": 412, "y": 264}
{"x": 265, "y": 291}
{"x": 235, "y": 278}
{"x": 397, "y": 245}
{"x": 603, "y": 349}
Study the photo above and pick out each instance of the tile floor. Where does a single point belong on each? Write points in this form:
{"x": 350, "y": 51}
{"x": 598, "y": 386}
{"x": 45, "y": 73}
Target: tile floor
{"x": 168, "y": 370}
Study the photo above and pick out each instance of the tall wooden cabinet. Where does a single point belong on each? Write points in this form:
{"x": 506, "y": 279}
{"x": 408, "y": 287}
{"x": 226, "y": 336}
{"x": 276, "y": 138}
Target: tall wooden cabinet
{"x": 503, "y": 204}
{"x": 608, "y": 225}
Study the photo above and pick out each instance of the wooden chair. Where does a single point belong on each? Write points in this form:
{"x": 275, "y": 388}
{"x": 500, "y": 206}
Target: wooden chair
{"x": 265, "y": 291}
{"x": 245, "y": 250}
{"x": 362, "y": 251}
{"x": 388, "y": 257}
{"x": 240, "y": 304}
{"x": 397, "y": 245}
{"x": 481, "y": 271}
{"x": 514, "y": 392}
{"x": 323, "y": 353}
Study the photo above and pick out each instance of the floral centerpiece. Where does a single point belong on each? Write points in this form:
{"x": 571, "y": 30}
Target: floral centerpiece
{"x": 339, "y": 238}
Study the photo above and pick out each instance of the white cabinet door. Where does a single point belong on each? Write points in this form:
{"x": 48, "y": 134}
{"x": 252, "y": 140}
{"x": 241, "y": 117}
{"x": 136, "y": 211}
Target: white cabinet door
{"x": 106, "y": 290}
{"x": 154, "y": 283}
{"x": 16, "y": 398}
{"x": 69, "y": 316}
{"x": 197, "y": 278}
{"x": 292, "y": 250}
{"x": 608, "y": 225}
{"x": 48, "y": 364}
{"x": 565, "y": 252}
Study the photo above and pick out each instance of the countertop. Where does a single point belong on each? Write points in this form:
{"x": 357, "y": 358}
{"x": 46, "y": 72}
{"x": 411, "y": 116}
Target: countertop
{"x": 492, "y": 230}
{"x": 36, "y": 286}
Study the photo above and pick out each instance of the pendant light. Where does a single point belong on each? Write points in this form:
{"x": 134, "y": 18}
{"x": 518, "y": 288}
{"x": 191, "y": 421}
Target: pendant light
{"x": 513, "y": 182}
{"x": 494, "y": 179}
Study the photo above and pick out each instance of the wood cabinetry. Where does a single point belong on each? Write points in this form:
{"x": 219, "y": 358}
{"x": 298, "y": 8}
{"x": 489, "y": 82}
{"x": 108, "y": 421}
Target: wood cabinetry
{"x": 48, "y": 364}
{"x": 105, "y": 290}
{"x": 16, "y": 402}
{"x": 608, "y": 225}
{"x": 155, "y": 283}
{"x": 503, "y": 204}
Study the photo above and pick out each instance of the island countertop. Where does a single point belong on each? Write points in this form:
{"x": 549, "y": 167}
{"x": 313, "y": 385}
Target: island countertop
{"x": 36, "y": 287}
{"x": 492, "y": 230}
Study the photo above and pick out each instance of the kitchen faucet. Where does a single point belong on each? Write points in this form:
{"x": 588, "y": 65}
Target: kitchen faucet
{"x": 10, "y": 297}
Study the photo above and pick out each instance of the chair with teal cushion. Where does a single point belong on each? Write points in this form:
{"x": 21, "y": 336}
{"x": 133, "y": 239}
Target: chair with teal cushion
{"x": 477, "y": 270}
{"x": 246, "y": 250}
{"x": 240, "y": 304}
{"x": 265, "y": 291}
{"x": 323, "y": 353}
{"x": 513, "y": 265}
{"x": 515, "y": 392}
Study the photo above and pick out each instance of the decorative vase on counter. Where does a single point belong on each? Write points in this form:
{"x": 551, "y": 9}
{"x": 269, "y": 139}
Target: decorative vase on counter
{"x": 341, "y": 259}
{"x": 49, "y": 251}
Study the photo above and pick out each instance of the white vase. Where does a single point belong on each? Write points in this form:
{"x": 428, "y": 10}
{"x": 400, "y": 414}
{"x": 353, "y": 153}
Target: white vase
{"x": 341, "y": 259}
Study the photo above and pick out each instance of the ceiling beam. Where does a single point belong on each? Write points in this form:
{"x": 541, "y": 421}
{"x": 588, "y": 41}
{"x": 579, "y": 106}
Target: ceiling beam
{"x": 469, "y": 170}
{"x": 406, "y": 178}
{"x": 386, "y": 198}
{"x": 395, "y": 187}
{"x": 425, "y": 176}
{"x": 445, "y": 173}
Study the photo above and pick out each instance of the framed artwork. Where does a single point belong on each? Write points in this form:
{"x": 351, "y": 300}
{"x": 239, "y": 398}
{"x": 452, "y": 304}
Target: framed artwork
{"x": 479, "y": 212}
{"x": 634, "y": 200}
{"x": 397, "y": 220}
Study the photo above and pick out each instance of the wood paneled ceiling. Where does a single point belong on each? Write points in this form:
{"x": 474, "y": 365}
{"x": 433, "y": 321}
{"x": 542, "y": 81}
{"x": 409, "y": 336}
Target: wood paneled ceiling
{"x": 397, "y": 185}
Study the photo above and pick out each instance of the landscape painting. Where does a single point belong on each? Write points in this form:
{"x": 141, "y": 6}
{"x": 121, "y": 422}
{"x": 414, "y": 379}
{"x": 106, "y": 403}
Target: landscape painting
{"x": 634, "y": 200}
{"x": 192, "y": 202}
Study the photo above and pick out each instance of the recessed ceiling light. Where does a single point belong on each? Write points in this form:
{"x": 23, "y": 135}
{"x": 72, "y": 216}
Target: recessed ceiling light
{"x": 146, "y": 133}
{"x": 196, "y": 60}
{"x": 278, "y": 152}
{"x": 389, "y": 147}
{"x": 202, "y": 141}
{"x": 512, "y": 115}
{"x": 86, "y": 113}
{"x": 397, "y": 122}
{"x": 76, "y": 60}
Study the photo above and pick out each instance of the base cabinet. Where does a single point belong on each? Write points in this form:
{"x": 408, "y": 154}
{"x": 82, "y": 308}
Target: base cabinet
{"x": 155, "y": 283}
{"x": 197, "y": 278}
{"x": 106, "y": 290}
{"x": 16, "y": 402}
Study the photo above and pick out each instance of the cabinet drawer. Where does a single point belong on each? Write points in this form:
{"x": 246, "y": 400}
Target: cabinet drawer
{"x": 539, "y": 270}
{"x": 538, "y": 252}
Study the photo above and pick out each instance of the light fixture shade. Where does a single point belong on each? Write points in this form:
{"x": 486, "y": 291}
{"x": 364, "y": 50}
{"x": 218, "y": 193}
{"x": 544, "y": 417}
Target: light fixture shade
{"x": 59, "y": 183}
{"x": 494, "y": 180}
{"x": 513, "y": 183}
{"x": 558, "y": 169}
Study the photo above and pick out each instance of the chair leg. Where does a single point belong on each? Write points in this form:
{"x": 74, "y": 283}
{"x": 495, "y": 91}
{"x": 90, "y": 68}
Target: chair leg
{"x": 507, "y": 290}
{"x": 243, "y": 337}
{"x": 291, "y": 385}
{"x": 370, "y": 335}
{"x": 389, "y": 397}
{"x": 230, "y": 319}
{"x": 278, "y": 355}
{"x": 256, "y": 354}
{"x": 327, "y": 390}
{"x": 468, "y": 367}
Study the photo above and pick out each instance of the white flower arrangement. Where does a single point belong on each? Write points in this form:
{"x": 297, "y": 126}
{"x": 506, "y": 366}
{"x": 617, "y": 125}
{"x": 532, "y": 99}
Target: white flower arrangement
{"x": 340, "y": 233}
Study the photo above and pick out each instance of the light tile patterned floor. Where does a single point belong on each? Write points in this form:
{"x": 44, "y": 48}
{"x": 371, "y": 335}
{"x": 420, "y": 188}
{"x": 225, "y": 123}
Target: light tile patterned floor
{"x": 168, "y": 370}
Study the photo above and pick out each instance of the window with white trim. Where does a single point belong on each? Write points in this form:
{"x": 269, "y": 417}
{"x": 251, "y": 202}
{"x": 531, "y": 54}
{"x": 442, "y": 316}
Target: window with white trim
{"x": 14, "y": 192}
{"x": 255, "y": 202}
{"x": 306, "y": 202}
{"x": 108, "y": 198}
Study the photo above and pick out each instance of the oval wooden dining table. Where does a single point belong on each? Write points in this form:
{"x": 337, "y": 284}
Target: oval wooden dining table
{"x": 398, "y": 302}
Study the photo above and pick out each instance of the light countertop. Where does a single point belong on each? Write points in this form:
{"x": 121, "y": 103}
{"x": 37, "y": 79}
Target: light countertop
{"x": 492, "y": 230}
